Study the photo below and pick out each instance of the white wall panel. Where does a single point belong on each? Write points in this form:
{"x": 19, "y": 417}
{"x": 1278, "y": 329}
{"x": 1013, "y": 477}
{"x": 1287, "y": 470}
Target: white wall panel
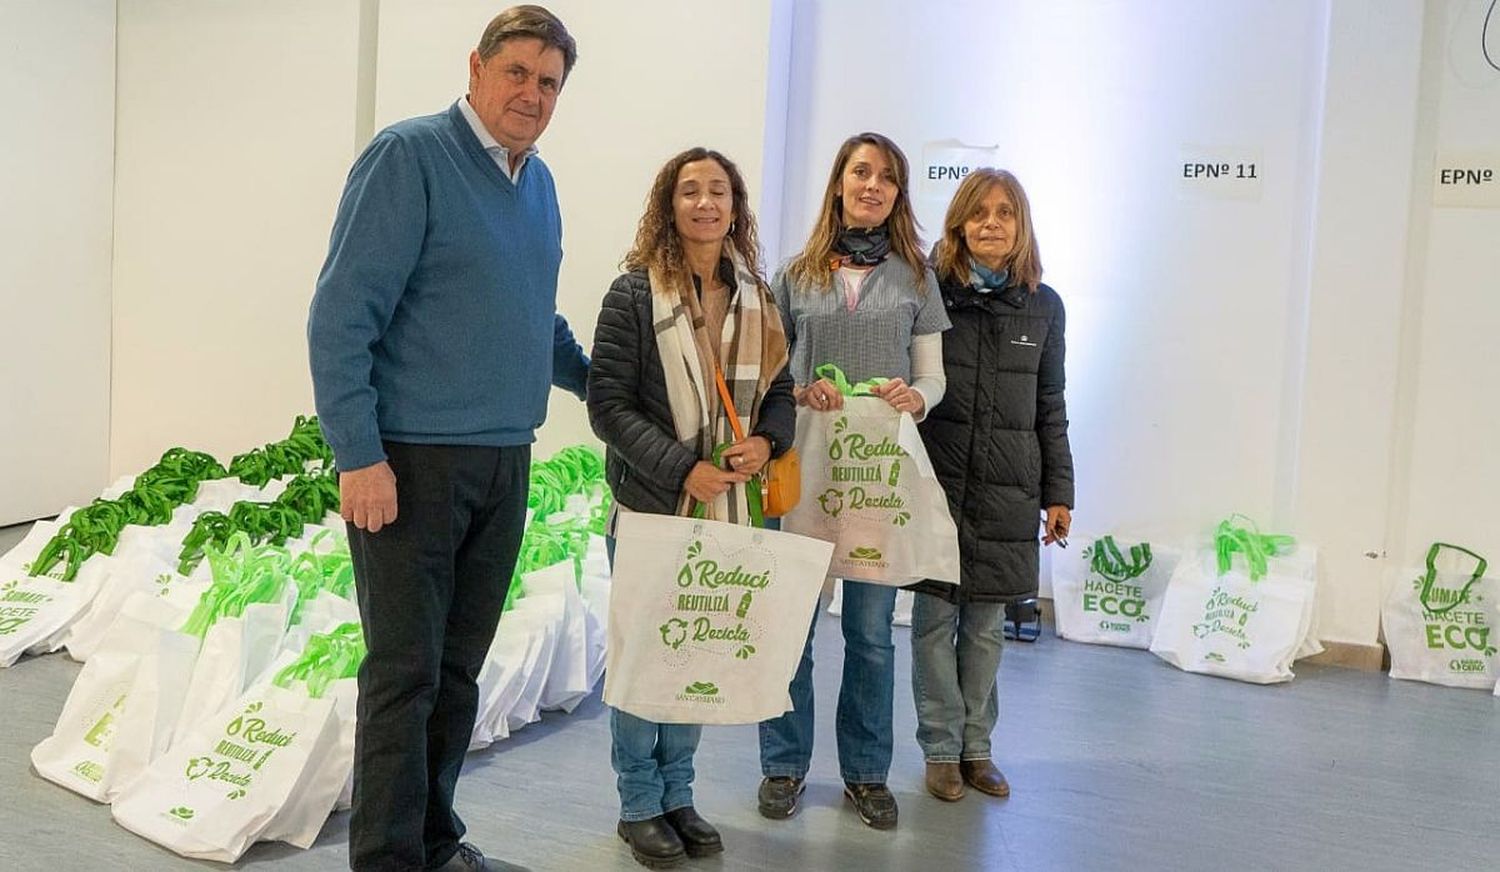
{"x": 57, "y": 94}
{"x": 236, "y": 128}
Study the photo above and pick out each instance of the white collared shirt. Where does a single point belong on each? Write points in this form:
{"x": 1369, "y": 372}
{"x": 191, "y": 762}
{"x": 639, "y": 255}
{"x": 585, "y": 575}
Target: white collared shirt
{"x": 500, "y": 153}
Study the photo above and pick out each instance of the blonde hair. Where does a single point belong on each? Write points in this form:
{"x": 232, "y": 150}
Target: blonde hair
{"x": 950, "y": 256}
{"x": 657, "y": 245}
{"x": 812, "y": 267}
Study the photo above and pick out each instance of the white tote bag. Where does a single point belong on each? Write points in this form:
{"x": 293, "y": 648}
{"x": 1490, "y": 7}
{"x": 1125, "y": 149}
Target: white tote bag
{"x": 35, "y": 611}
{"x": 707, "y": 620}
{"x": 224, "y": 781}
{"x": 568, "y": 679}
{"x": 543, "y": 613}
{"x": 1231, "y": 626}
{"x": 325, "y": 778}
{"x": 868, "y": 487}
{"x": 1110, "y": 591}
{"x": 123, "y": 705}
{"x": 235, "y": 652}
{"x": 1439, "y": 620}
{"x": 500, "y": 683}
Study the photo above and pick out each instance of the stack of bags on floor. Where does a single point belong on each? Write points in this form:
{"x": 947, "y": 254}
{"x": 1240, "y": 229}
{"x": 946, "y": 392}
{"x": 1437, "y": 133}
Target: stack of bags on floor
{"x": 63, "y": 584}
{"x": 215, "y": 611}
{"x": 1438, "y": 620}
{"x": 1243, "y": 606}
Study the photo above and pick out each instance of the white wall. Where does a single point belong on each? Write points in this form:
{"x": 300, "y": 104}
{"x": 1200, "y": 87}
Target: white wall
{"x": 56, "y": 162}
{"x": 236, "y": 127}
{"x": 1347, "y": 452}
{"x": 1451, "y": 419}
{"x": 652, "y": 79}
{"x": 239, "y": 121}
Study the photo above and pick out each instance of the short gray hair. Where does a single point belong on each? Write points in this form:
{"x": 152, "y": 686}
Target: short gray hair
{"x": 529, "y": 22}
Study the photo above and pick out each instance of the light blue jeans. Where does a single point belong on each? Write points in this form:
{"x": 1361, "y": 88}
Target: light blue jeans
{"x": 955, "y": 657}
{"x": 653, "y": 762}
{"x": 863, "y": 726}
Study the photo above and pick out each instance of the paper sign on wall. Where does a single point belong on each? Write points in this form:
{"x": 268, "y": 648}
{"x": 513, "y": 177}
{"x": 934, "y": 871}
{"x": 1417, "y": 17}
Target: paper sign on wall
{"x": 945, "y": 163}
{"x": 1219, "y": 172}
{"x": 1467, "y": 178}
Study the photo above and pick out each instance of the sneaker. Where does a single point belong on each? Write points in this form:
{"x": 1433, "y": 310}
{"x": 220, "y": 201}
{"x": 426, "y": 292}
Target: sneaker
{"x": 778, "y": 796}
{"x": 875, "y": 804}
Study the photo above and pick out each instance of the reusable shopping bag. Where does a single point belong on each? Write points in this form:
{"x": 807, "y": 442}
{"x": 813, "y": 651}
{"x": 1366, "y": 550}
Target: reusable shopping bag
{"x": 707, "y": 620}
{"x": 1439, "y": 619}
{"x": 1110, "y": 591}
{"x": 1241, "y": 610}
{"x": 869, "y": 488}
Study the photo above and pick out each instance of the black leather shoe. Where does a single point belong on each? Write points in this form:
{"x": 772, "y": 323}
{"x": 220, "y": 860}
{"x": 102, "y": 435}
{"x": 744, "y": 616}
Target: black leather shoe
{"x": 653, "y": 842}
{"x": 468, "y": 859}
{"x": 778, "y": 796}
{"x": 875, "y": 804}
{"x": 698, "y": 835}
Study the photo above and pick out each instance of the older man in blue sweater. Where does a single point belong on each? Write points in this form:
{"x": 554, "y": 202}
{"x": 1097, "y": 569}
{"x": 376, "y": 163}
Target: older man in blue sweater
{"x": 434, "y": 337}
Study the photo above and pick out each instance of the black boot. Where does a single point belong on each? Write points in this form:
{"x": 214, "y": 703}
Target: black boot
{"x": 653, "y": 842}
{"x": 698, "y": 835}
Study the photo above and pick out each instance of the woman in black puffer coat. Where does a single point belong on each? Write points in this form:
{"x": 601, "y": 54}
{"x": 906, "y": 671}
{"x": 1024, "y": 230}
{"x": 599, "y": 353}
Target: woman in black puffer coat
{"x": 999, "y": 444}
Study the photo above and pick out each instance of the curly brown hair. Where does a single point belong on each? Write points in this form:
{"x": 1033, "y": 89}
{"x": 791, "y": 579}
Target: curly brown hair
{"x": 657, "y": 245}
{"x": 811, "y": 267}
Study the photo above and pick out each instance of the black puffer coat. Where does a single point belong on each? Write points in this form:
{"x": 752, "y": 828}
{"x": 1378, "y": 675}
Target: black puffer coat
{"x": 999, "y": 438}
{"x": 645, "y": 465}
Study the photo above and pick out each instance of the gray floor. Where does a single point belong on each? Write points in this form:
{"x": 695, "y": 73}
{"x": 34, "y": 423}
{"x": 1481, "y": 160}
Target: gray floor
{"x": 1118, "y": 762}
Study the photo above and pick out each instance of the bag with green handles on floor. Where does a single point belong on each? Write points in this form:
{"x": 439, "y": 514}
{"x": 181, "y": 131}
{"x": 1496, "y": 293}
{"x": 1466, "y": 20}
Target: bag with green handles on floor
{"x": 1110, "y": 591}
{"x": 124, "y": 704}
{"x": 869, "y": 488}
{"x": 228, "y": 780}
{"x": 1242, "y": 609}
{"x": 1439, "y": 620}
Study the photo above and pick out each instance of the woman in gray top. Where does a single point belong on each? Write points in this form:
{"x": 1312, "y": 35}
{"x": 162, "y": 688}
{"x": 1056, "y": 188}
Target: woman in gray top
{"x": 859, "y": 296}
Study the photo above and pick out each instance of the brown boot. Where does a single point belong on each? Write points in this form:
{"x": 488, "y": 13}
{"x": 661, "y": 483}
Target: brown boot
{"x": 983, "y": 776}
{"x": 944, "y": 782}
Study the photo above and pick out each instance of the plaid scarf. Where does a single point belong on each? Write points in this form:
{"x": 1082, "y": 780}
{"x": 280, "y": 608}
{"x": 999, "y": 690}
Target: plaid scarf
{"x": 753, "y": 351}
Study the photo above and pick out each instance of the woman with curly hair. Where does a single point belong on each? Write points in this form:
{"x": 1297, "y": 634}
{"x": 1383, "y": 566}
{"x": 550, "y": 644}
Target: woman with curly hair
{"x": 691, "y": 303}
{"x": 860, "y": 295}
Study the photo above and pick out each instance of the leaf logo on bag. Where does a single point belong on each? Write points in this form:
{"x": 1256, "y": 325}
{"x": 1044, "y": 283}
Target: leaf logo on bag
{"x": 865, "y": 553}
{"x": 702, "y": 691}
{"x": 182, "y": 812}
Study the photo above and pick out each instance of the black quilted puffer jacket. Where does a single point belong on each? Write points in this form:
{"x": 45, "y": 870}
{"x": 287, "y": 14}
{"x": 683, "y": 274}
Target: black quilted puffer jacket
{"x": 645, "y": 465}
{"x": 999, "y": 438}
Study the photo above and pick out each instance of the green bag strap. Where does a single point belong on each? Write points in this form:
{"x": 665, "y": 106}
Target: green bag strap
{"x": 326, "y": 658}
{"x": 1247, "y": 539}
{"x": 840, "y": 381}
{"x": 1107, "y": 561}
{"x": 242, "y": 574}
{"x": 1429, "y": 578}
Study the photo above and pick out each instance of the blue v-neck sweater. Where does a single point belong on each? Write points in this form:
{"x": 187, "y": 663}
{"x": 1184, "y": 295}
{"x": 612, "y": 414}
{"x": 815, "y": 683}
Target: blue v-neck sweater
{"x": 434, "y": 316}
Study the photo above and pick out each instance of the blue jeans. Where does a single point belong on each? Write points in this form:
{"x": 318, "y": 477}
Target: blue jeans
{"x": 653, "y": 762}
{"x": 863, "y": 726}
{"x": 955, "y": 655}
